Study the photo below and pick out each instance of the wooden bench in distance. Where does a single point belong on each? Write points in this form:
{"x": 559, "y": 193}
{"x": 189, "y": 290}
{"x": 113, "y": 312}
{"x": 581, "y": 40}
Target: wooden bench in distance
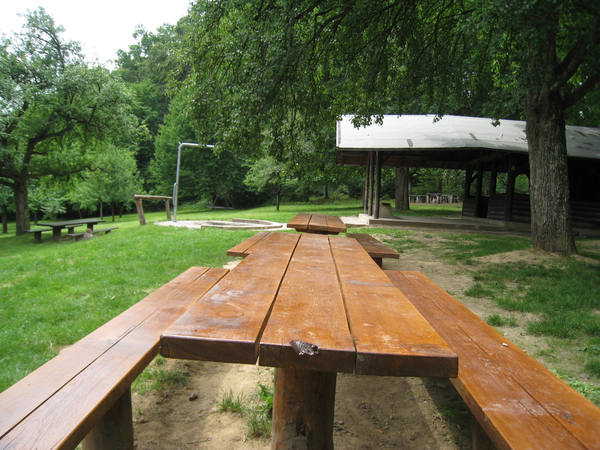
{"x": 84, "y": 392}
{"x": 516, "y": 401}
{"x": 37, "y": 234}
{"x": 79, "y": 236}
{"x": 376, "y": 249}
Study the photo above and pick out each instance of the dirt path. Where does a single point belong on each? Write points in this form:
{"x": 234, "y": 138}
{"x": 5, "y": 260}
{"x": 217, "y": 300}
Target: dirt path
{"x": 371, "y": 412}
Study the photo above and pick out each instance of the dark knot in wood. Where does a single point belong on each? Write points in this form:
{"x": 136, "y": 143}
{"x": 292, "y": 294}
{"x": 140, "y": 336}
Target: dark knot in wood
{"x": 304, "y": 348}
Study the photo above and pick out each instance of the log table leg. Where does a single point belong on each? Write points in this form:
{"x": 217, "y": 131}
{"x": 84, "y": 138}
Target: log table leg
{"x": 303, "y": 407}
{"x": 140, "y": 211}
{"x": 57, "y": 233}
{"x": 115, "y": 430}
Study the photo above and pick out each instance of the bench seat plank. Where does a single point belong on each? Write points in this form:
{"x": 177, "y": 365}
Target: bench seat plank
{"x": 137, "y": 330}
{"x": 243, "y": 249}
{"x": 300, "y": 222}
{"x": 377, "y": 332}
{"x": 374, "y": 247}
{"x": 229, "y": 320}
{"x": 518, "y": 402}
{"x": 312, "y": 292}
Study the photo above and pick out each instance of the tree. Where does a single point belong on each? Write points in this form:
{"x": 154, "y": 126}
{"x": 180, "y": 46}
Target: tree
{"x": 282, "y": 67}
{"x": 52, "y": 105}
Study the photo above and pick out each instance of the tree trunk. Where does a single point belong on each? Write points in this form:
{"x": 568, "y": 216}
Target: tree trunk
{"x": 278, "y": 194}
{"x": 325, "y": 191}
{"x": 22, "y": 206}
{"x": 402, "y": 189}
{"x": 4, "y": 219}
{"x": 101, "y": 211}
{"x": 112, "y": 208}
{"x": 551, "y": 228}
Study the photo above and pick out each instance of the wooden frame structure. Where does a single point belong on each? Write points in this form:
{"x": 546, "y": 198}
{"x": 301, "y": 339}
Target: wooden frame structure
{"x": 480, "y": 148}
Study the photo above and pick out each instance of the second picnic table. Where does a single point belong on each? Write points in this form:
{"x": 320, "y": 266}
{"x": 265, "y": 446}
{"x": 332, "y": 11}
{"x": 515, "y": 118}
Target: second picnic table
{"x": 317, "y": 223}
{"x": 311, "y": 306}
{"x": 57, "y": 227}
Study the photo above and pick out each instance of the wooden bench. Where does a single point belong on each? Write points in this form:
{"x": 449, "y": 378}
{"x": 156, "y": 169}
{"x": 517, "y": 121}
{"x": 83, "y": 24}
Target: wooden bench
{"x": 79, "y": 236}
{"x": 376, "y": 249}
{"x": 516, "y": 401}
{"x": 84, "y": 392}
{"x": 37, "y": 234}
{"x": 317, "y": 223}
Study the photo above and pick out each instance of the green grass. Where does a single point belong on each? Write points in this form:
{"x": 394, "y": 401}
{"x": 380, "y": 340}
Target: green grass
{"x": 157, "y": 378}
{"x": 496, "y": 320}
{"x": 230, "y": 403}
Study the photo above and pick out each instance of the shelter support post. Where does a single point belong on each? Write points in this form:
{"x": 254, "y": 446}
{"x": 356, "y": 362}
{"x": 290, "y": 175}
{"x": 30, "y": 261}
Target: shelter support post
{"x": 478, "y": 190}
{"x": 371, "y": 182}
{"x": 493, "y": 181}
{"x": 377, "y": 186}
{"x": 366, "y": 194}
{"x": 510, "y": 188}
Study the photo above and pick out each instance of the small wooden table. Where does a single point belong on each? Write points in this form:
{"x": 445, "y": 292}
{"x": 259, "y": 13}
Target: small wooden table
{"x": 317, "y": 223}
{"x": 57, "y": 227}
{"x": 140, "y": 209}
{"x": 311, "y": 306}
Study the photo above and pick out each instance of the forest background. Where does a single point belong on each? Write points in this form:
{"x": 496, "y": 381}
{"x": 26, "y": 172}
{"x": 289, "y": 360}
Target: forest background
{"x": 264, "y": 83}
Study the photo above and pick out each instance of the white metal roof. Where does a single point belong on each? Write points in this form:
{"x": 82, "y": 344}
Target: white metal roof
{"x": 420, "y": 132}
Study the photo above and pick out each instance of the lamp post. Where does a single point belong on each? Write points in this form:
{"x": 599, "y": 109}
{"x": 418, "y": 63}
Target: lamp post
{"x": 176, "y": 184}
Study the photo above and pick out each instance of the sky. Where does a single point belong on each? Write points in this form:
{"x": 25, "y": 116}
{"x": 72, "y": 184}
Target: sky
{"x": 102, "y": 27}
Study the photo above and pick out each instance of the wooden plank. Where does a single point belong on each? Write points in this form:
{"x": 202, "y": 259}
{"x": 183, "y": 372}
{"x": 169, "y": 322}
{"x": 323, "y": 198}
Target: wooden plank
{"x": 390, "y": 335}
{"x": 309, "y": 309}
{"x": 64, "y": 399}
{"x": 226, "y": 324}
{"x": 518, "y": 402}
{"x": 373, "y": 247}
{"x": 335, "y": 225}
{"x": 318, "y": 223}
{"x": 243, "y": 248}
{"x": 300, "y": 222}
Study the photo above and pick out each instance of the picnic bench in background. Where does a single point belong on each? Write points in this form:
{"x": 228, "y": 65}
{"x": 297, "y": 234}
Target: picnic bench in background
{"x": 317, "y": 223}
{"x": 37, "y": 233}
{"x": 70, "y": 225}
{"x": 140, "y": 209}
{"x": 516, "y": 402}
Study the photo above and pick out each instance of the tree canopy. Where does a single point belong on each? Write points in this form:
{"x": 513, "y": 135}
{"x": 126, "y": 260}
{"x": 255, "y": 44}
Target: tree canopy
{"x": 51, "y": 104}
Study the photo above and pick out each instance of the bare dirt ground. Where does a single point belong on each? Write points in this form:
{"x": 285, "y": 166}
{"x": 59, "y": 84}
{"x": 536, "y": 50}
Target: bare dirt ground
{"x": 371, "y": 412}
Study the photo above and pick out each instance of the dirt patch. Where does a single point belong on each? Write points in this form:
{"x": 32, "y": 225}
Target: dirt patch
{"x": 371, "y": 412}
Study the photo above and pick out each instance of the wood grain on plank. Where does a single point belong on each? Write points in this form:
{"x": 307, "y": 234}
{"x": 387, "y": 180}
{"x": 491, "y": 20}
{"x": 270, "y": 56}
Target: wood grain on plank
{"x": 318, "y": 223}
{"x": 309, "y": 309}
{"x": 391, "y": 336}
{"x": 335, "y": 225}
{"x": 225, "y": 325}
{"x": 515, "y": 398}
{"x": 63, "y": 417}
{"x": 373, "y": 247}
{"x": 243, "y": 249}
{"x": 300, "y": 222}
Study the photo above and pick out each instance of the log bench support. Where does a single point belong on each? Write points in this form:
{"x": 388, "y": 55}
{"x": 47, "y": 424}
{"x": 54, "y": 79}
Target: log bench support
{"x": 297, "y": 423}
{"x": 115, "y": 429}
{"x": 37, "y": 234}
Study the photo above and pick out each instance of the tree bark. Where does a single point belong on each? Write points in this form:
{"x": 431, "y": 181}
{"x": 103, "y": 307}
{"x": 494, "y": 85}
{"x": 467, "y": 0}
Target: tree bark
{"x": 4, "y": 219}
{"x": 402, "y": 189}
{"x": 551, "y": 227}
{"x": 22, "y": 206}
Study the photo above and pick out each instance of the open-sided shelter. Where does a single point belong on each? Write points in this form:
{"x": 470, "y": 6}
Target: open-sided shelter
{"x": 476, "y": 146}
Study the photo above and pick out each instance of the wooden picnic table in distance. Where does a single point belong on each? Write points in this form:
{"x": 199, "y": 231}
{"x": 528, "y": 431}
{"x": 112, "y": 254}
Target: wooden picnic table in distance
{"x": 57, "y": 227}
{"x": 317, "y": 223}
{"x": 309, "y": 305}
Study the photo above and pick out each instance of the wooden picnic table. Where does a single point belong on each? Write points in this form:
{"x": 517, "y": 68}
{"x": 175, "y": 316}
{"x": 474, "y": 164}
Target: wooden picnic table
{"x": 57, "y": 227}
{"x": 309, "y": 305}
{"x": 317, "y": 223}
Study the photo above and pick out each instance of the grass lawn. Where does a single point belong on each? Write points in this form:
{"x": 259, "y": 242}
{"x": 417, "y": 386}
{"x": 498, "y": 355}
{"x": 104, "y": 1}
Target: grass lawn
{"x": 52, "y": 294}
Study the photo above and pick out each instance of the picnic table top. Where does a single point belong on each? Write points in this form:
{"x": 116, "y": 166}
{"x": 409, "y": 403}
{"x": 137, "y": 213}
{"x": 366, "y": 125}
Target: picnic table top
{"x": 310, "y": 301}
{"x": 317, "y": 223}
{"x": 67, "y": 223}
